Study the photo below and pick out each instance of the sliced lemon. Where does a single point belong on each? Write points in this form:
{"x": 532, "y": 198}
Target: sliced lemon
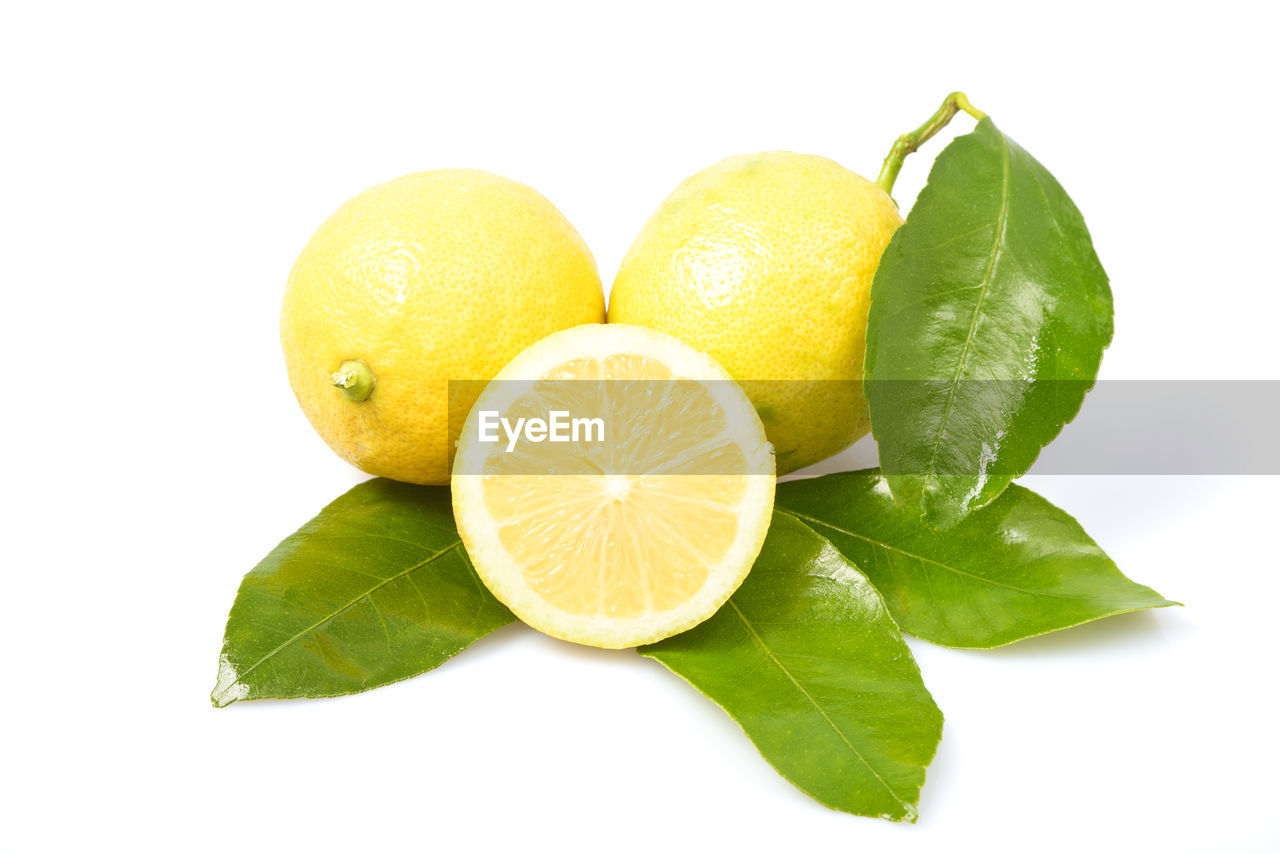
{"x": 626, "y": 534}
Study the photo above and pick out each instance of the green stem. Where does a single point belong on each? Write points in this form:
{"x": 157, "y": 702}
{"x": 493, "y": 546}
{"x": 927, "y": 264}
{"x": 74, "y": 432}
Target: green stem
{"x": 909, "y": 142}
{"x": 355, "y": 379}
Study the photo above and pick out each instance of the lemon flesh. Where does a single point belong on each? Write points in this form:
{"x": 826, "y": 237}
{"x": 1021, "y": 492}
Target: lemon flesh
{"x": 633, "y": 539}
{"x": 765, "y": 262}
{"x": 430, "y": 278}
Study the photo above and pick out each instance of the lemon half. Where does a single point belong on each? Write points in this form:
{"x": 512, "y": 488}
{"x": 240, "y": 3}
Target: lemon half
{"x": 628, "y": 540}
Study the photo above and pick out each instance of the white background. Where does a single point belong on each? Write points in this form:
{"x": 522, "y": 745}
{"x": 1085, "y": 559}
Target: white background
{"x": 162, "y": 166}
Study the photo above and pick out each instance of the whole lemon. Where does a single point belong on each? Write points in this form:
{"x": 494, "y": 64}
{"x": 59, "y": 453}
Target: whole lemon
{"x": 765, "y": 261}
{"x": 431, "y": 278}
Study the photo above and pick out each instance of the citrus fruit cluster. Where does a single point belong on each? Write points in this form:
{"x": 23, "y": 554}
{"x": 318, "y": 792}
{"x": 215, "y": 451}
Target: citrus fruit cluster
{"x": 416, "y": 294}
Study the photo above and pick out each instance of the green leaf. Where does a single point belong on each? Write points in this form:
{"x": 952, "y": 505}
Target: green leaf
{"x": 989, "y": 314}
{"x": 1020, "y": 567}
{"x": 807, "y": 660}
{"x": 375, "y": 589}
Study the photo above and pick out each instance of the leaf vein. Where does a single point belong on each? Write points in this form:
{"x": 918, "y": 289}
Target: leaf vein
{"x": 882, "y": 544}
{"x": 997, "y": 249}
{"x": 329, "y": 617}
{"x": 786, "y": 672}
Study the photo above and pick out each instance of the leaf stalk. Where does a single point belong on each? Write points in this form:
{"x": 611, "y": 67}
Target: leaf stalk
{"x": 907, "y": 143}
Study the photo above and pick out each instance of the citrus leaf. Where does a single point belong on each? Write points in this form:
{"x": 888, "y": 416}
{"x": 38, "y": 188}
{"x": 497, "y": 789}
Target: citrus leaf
{"x": 375, "y": 589}
{"x": 989, "y": 314}
{"x": 1019, "y": 567}
{"x": 808, "y": 661}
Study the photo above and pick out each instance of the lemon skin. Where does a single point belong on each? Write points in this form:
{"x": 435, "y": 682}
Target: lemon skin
{"x": 764, "y": 262}
{"x": 431, "y": 278}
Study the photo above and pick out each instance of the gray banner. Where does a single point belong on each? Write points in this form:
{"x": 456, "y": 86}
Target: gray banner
{"x": 1209, "y": 427}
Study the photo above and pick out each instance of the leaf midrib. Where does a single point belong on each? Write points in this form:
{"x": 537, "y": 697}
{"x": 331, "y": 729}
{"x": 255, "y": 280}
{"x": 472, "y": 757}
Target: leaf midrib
{"x": 908, "y": 810}
{"x": 997, "y": 248}
{"x": 240, "y": 676}
{"x": 948, "y": 567}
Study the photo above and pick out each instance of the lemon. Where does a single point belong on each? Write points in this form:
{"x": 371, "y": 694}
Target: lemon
{"x": 429, "y": 278}
{"x": 628, "y": 540}
{"x": 765, "y": 262}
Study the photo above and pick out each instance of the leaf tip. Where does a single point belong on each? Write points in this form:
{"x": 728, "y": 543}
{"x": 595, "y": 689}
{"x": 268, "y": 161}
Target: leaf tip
{"x": 229, "y": 687}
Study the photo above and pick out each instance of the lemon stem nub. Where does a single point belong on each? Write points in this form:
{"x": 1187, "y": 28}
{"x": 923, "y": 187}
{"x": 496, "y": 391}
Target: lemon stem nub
{"x": 355, "y": 379}
{"x": 907, "y": 143}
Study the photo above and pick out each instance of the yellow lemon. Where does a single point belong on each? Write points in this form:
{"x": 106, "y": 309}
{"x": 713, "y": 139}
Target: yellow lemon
{"x": 626, "y": 537}
{"x": 765, "y": 261}
{"x": 433, "y": 277}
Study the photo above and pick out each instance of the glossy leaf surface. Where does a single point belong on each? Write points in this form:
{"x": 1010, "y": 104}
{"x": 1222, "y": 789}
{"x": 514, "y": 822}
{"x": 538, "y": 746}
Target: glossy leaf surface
{"x": 1017, "y": 568}
{"x": 375, "y": 589}
{"x": 989, "y": 314}
{"x": 806, "y": 658}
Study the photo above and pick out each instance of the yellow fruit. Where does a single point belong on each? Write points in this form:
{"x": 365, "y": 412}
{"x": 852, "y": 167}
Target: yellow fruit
{"x": 632, "y": 539}
{"x": 429, "y": 278}
{"x": 765, "y": 262}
